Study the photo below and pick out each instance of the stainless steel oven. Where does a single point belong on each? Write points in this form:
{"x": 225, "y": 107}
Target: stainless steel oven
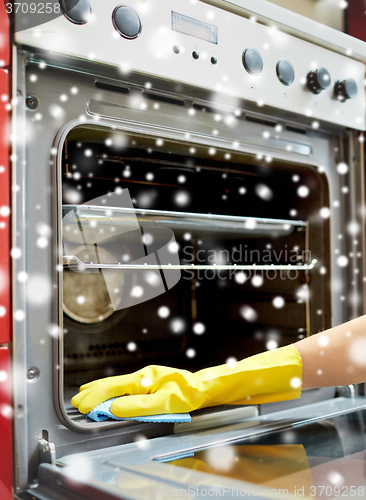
{"x": 187, "y": 190}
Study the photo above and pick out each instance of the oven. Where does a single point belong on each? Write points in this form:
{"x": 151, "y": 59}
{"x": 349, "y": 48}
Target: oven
{"x": 180, "y": 196}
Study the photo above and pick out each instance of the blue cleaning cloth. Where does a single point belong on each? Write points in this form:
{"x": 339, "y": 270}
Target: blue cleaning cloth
{"x": 103, "y": 412}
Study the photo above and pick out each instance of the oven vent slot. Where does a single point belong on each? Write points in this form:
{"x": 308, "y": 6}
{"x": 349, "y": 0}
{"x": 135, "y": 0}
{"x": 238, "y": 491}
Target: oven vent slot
{"x": 261, "y": 121}
{"x": 205, "y": 109}
{"x": 111, "y": 88}
{"x": 163, "y": 98}
{"x": 111, "y": 349}
{"x": 296, "y": 130}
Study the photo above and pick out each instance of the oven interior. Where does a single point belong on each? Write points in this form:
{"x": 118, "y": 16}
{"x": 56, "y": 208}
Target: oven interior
{"x": 210, "y": 208}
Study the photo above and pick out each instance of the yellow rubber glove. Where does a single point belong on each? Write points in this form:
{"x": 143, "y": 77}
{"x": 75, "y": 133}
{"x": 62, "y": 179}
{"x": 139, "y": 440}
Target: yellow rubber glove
{"x": 264, "y": 378}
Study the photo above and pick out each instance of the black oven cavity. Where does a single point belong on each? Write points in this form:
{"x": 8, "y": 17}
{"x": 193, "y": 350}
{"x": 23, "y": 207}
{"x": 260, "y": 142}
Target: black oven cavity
{"x": 225, "y": 210}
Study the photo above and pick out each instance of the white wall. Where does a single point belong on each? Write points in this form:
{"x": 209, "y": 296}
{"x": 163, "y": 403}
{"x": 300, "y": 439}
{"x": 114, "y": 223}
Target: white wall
{"x": 330, "y": 13}
{"x": 327, "y": 12}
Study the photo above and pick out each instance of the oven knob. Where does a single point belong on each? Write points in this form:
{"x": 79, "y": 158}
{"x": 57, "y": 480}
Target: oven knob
{"x": 78, "y": 12}
{"x": 285, "y": 72}
{"x": 252, "y": 61}
{"x": 345, "y": 89}
{"x": 318, "y": 80}
{"x": 127, "y": 22}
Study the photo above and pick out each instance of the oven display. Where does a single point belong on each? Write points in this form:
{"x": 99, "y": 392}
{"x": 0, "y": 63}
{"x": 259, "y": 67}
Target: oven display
{"x": 195, "y": 28}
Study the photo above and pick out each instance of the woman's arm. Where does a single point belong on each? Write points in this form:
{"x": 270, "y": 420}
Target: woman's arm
{"x": 336, "y": 356}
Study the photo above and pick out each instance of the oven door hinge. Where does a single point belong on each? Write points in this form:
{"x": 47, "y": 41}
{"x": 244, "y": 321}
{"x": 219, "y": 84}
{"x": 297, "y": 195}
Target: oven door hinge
{"x": 346, "y": 391}
{"x": 47, "y": 452}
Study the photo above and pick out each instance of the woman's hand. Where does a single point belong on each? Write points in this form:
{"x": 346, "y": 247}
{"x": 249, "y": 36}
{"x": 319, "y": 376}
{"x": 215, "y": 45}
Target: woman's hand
{"x": 150, "y": 391}
{"x": 264, "y": 378}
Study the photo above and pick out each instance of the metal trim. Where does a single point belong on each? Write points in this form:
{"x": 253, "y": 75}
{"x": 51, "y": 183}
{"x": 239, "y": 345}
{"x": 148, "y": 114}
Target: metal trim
{"x": 255, "y": 267}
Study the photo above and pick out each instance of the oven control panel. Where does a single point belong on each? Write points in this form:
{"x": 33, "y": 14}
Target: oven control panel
{"x": 202, "y": 45}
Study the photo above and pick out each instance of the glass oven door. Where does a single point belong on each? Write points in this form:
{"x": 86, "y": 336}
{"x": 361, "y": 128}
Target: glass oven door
{"x": 317, "y": 451}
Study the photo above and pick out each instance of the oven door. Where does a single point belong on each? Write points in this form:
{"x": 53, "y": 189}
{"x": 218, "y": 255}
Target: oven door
{"x": 318, "y": 451}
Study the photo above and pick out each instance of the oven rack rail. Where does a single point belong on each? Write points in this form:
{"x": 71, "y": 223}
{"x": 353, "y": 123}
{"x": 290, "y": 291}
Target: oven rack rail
{"x": 80, "y": 266}
{"x": 84, "y": 209}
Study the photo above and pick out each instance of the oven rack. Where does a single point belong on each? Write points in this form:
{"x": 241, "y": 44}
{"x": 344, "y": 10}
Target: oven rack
{"x": 89, "y": 218}
{"x": 253, "y": 227}
{"x": 80, "y": 265}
